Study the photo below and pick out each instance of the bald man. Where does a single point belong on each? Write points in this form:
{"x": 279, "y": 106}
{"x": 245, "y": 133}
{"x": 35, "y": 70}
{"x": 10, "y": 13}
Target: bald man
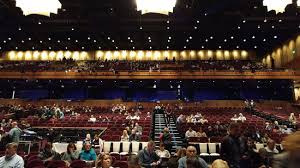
{"x": 11, "y": 159}
{"x": 191, "y": 154}
{"x": 15, "y": 132}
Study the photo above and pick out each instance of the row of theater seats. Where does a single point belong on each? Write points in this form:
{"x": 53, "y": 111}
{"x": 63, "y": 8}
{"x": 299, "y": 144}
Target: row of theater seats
{"x": 123, "y": 148}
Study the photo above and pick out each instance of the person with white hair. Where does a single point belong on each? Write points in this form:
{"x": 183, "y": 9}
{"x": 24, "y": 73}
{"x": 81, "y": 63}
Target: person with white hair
{"x": 241, "y": 117}
{"x": 293, "y": 119}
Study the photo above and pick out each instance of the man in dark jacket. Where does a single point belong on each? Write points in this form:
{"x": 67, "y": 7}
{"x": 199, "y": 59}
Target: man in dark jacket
{"x": 147, "y": 157}
{"x": 231, "y": 150}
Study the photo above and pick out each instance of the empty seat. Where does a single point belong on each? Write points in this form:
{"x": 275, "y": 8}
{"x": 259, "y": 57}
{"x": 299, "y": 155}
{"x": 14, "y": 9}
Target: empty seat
{"x": 135, "y": 146}
{"x": 116, "y": 148}
{"x": 213, "y": 149}
{"x": 106, "y": 147}
{"x": 203, "y": 149}
{"x": 125, "y": 148}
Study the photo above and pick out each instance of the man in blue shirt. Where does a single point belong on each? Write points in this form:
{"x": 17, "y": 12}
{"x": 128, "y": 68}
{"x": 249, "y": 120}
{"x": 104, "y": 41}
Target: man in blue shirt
{"x": 191, "y": 154}
{"x": 88, "y": 154}
{"x": 147, "y": 157}
{"x": 11, "y": 159}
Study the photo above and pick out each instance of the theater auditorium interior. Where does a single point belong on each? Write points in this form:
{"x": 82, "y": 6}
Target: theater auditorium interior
{"x": 149, "y": 83}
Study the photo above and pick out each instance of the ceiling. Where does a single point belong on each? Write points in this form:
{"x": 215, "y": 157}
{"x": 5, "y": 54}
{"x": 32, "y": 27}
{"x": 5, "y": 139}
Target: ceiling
{"x": 116, "y": 25}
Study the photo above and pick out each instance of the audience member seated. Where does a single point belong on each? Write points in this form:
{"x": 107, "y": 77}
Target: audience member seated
{"x": 71, "y": 154}
{"x": 270, "y": 148}
{"x": 48, "y": 154}
{"x": 293, "y": 119}
{"x": 220, "y": 129}
{"x": 268, "y": 127}
{"x": 163, "y": 154}
{"x": 203, "y": 120}
{"x": 235, "y": 118}
{"x": 103, "y": 161}
{"x": 87, "y": 139}
{"x": 11, "y": 159}
{"x": 97, "y": 143}
{"x": 201, "y": 133}
{"x": 190, "y": 133}
{"x": 88, "y": 153}
{"x": 241, "y": 118}
{"x": 210, "y": 132}
{"x": 125, "y": 136}
{"x": 191, "y": 155}
{"x": 92, "y": 119}
{"x": 147, "y": 156}
{"x": 138, "y": 128}
{"x": 3, "y": 123}
{"x": 135, "y": 117}
{"x": 286, "y": 130}
{"x": 134, "y": 136}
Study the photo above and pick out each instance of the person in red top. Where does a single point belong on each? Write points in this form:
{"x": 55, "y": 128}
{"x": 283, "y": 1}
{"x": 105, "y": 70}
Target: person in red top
{"x": 166, "y": 138}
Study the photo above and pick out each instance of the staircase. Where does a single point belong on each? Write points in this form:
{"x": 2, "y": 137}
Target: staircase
{"x": 159, "y": 124}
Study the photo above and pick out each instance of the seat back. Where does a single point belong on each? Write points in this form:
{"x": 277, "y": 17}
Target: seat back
{"x": 116, "y": 147}
{"x": 106, "y": 147}
{"x": 126, "y": 146}
{"x": 203, "y": 147}
{"x": 212, "y": 147}
{"x": 135, "y": 146}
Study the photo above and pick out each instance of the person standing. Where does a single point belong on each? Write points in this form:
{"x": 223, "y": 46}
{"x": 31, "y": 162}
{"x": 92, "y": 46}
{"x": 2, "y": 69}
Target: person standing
{"x": 11, "y": 158}
{"x": 15, "y": 133}
{"x": 166, "y": 139}
{"x": 231, "y": 150}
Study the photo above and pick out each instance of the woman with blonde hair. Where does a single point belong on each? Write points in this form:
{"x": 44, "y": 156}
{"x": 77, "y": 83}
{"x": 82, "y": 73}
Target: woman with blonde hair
{"x": 103, "y": 161}
{"x": 125, "y": 136}
{"x": 219, "y": 163}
